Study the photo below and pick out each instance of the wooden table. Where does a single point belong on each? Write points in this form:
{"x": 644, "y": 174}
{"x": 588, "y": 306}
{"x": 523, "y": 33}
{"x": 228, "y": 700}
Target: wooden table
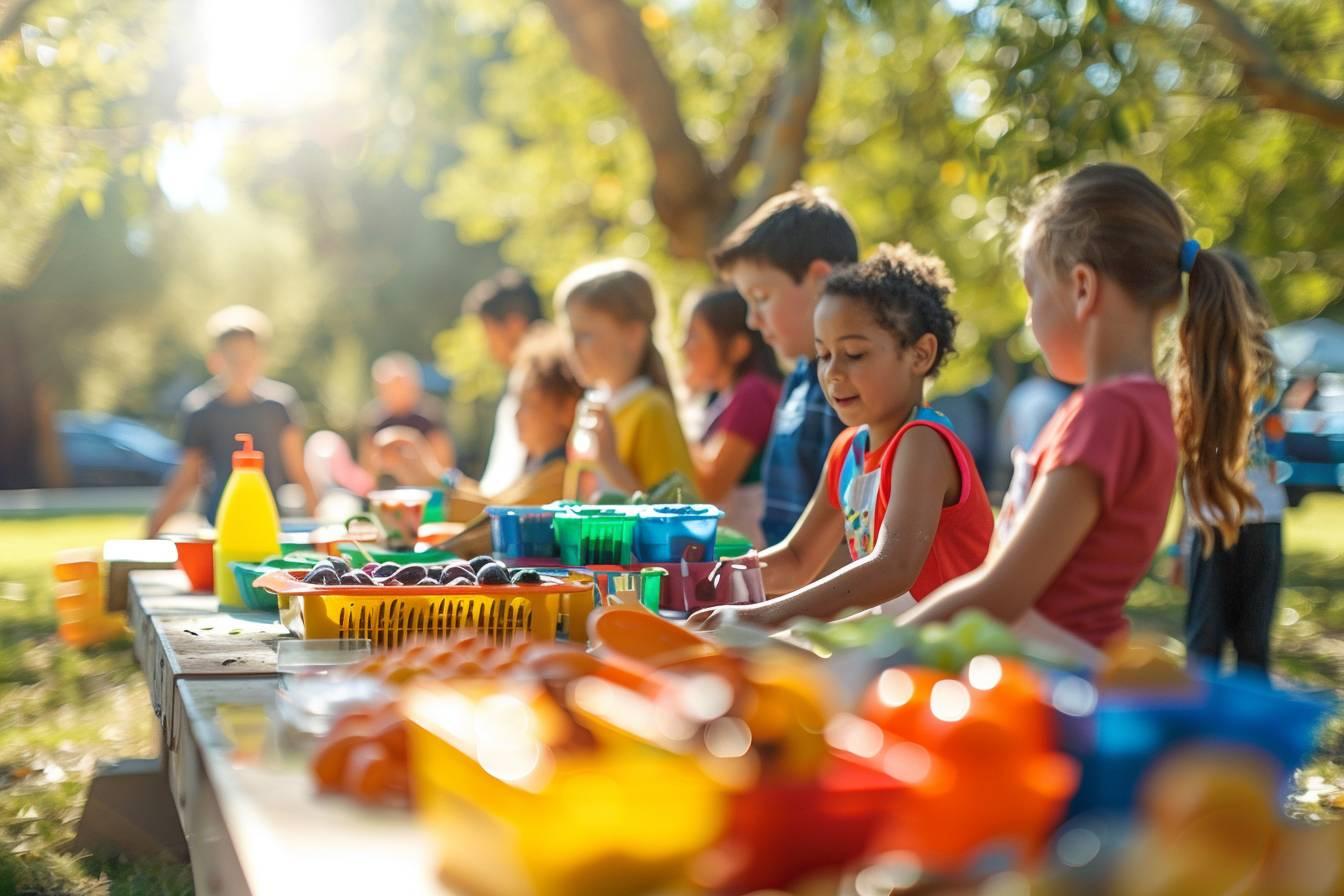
{"x": 251, "y": 817}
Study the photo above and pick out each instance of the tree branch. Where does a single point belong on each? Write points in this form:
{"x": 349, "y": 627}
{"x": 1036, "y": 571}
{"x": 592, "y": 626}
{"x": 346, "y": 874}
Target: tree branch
{"x": 607, "y": 40}
{"x": 747, "y": 133}
{"x": 781, "y": 150}
{"x": 1264, "y": 75}
{"x": 12, "y": 17}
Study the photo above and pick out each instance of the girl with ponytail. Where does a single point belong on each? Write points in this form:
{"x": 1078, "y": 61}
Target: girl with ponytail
{"x": 1105, "y": 258}
{"x": 609, "y": 308}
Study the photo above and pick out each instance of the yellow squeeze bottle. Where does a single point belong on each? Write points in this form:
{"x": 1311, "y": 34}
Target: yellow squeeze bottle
{"x": 247, "y": 526}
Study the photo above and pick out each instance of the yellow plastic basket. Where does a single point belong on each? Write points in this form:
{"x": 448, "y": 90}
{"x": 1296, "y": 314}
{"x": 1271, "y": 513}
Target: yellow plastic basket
{"x": 390, "y": 616}
{"x": 620, "y": 819}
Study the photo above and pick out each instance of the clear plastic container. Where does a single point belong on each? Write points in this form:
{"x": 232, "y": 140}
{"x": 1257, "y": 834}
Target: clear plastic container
{"x": 668, "y": 533}
{"x": 320, "y": 656}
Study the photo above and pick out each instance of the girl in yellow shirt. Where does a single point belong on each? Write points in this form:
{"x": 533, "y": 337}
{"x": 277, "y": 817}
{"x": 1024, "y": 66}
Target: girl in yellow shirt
{"x": 610, "y": 307}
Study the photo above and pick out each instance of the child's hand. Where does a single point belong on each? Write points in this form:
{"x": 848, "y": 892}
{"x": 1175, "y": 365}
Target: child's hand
{"x": 405, "y": 454}
{"x": 605, "y": 436}
{"x": 709, "y": 619}
{"x": 716, "y": 617}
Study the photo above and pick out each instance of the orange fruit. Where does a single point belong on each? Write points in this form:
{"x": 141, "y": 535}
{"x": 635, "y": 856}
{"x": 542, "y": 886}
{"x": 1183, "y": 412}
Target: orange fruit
{"x": 369, "y": 772}
{"x": 392, "y": 735}
{"x": 330, "y": 760}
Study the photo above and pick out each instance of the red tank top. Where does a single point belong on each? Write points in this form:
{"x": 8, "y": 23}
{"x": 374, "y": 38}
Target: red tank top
{"x": 965, "y": 528}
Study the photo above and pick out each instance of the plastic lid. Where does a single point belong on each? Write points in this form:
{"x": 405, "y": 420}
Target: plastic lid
{"x": 247, "y": 458}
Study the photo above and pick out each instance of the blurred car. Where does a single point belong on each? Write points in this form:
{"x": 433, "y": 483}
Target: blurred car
{"x": 1310, "y": 455}
{"x": 101, "y": 449}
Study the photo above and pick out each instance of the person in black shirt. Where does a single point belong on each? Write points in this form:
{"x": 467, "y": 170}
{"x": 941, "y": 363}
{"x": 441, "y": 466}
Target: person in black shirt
{"x": 237, "y": 400}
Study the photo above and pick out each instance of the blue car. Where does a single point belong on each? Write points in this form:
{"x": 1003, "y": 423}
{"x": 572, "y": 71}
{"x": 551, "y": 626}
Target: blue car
{"x": 1310, "y": 451}
{"x": 101, "y": 449}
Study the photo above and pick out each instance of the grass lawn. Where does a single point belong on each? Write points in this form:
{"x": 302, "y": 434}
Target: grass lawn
{"x": 64, "y": 710}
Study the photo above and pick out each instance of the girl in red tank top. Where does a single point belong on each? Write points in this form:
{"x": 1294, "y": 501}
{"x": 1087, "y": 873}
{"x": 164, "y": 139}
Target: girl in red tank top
{"x": 900, "y": 488}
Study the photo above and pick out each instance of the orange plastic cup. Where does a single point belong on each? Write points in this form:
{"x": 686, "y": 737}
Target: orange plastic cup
{"x": 196, "y": 558}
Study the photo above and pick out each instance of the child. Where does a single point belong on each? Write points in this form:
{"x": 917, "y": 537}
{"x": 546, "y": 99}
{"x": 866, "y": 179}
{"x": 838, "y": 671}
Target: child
{"x": 236, "y": 400}
{"x": 779, "y": 259}
{"x": 727, "y": 360}
{"x": 1103, "y": 257}
{"x": 899, "y": 484}
{"x": 1234, "y": 587}
{"x": 507, "y": 305}
{"x": 546, "y": 393}
{"x": 400, "y": 400}
{"x": 610, "y": 308}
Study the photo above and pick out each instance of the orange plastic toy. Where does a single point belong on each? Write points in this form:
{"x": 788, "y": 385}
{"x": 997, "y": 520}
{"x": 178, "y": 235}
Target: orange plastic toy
{"x": 977, "y": 754}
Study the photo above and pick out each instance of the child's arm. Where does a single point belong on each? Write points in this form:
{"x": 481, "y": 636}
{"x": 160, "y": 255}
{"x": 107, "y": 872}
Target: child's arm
{"x": 621, "y": 477}
{"x": 793, "y": 562}
{"x": 1058, "y": 515}
{"x": 185, "y": 480}
{"x": 443, "y": 447}
{"x": 803, "y": 553}
{"x": 923, "y": 478}
{"x": 721, "y": 463}
{"x": 657, "y": 451}
{"x": 291, "y": 455}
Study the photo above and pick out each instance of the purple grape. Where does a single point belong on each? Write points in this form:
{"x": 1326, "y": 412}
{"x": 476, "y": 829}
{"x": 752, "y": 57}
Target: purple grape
{"x": 457, "y": 570}
{"x": 384, "y": 570}
{"x": 477, "y": 563}
{"x": 322, "y": 575}
{"x": 411, "y": 574}
{"x": 369, "y": 568}
{"x": 457, "y": 581}
{"x": 526, "y": 577}
{"x": 492, "y": 574}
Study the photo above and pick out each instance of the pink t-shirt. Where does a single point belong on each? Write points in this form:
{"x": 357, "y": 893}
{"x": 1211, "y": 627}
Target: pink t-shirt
{"x": 1122, "y": 431}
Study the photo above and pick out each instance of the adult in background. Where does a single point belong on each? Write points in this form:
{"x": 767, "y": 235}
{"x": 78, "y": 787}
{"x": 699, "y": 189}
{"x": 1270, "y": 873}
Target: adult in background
{"x": 236, "y": 399}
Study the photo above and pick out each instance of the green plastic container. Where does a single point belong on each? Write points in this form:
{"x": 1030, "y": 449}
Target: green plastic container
{"x": 731, "y": 543}
{"x": 246, "y": 574}
{"x": 603, "y": 535}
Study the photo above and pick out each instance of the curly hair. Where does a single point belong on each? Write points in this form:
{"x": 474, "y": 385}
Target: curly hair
{"x": 906, "y": 291}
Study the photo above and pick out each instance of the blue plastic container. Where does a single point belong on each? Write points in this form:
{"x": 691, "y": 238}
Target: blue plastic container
{"x": 1130, "y": 732}
{"x": 523, "y": 531}
{"x": 665, "y": 531}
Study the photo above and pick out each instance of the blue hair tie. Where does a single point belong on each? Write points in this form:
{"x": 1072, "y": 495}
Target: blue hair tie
{"x": 1189, "y": 249}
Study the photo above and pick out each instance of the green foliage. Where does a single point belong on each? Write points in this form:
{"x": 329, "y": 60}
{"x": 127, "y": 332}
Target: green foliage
{"x": 439, "y": 125}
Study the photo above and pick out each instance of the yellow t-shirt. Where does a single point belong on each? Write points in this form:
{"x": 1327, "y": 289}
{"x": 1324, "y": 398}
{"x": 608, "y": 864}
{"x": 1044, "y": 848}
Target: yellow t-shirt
{"x": 649, "y": 440}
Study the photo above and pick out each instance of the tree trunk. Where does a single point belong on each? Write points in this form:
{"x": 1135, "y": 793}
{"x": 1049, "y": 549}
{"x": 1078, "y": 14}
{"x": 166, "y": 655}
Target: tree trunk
{"x": 29, "y": 448}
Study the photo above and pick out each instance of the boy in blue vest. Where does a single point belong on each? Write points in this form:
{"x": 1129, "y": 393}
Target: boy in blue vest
{"x": 779, "y": 259}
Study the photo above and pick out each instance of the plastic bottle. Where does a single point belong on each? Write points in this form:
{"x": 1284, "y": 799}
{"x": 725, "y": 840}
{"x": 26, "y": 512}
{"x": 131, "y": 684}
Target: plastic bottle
{"x": 581, "y": 473}
{"x": 247, "y": 525}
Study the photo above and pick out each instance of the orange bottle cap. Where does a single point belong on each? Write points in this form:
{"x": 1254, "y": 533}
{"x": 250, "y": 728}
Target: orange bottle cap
{"x": 247, "y": 457}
